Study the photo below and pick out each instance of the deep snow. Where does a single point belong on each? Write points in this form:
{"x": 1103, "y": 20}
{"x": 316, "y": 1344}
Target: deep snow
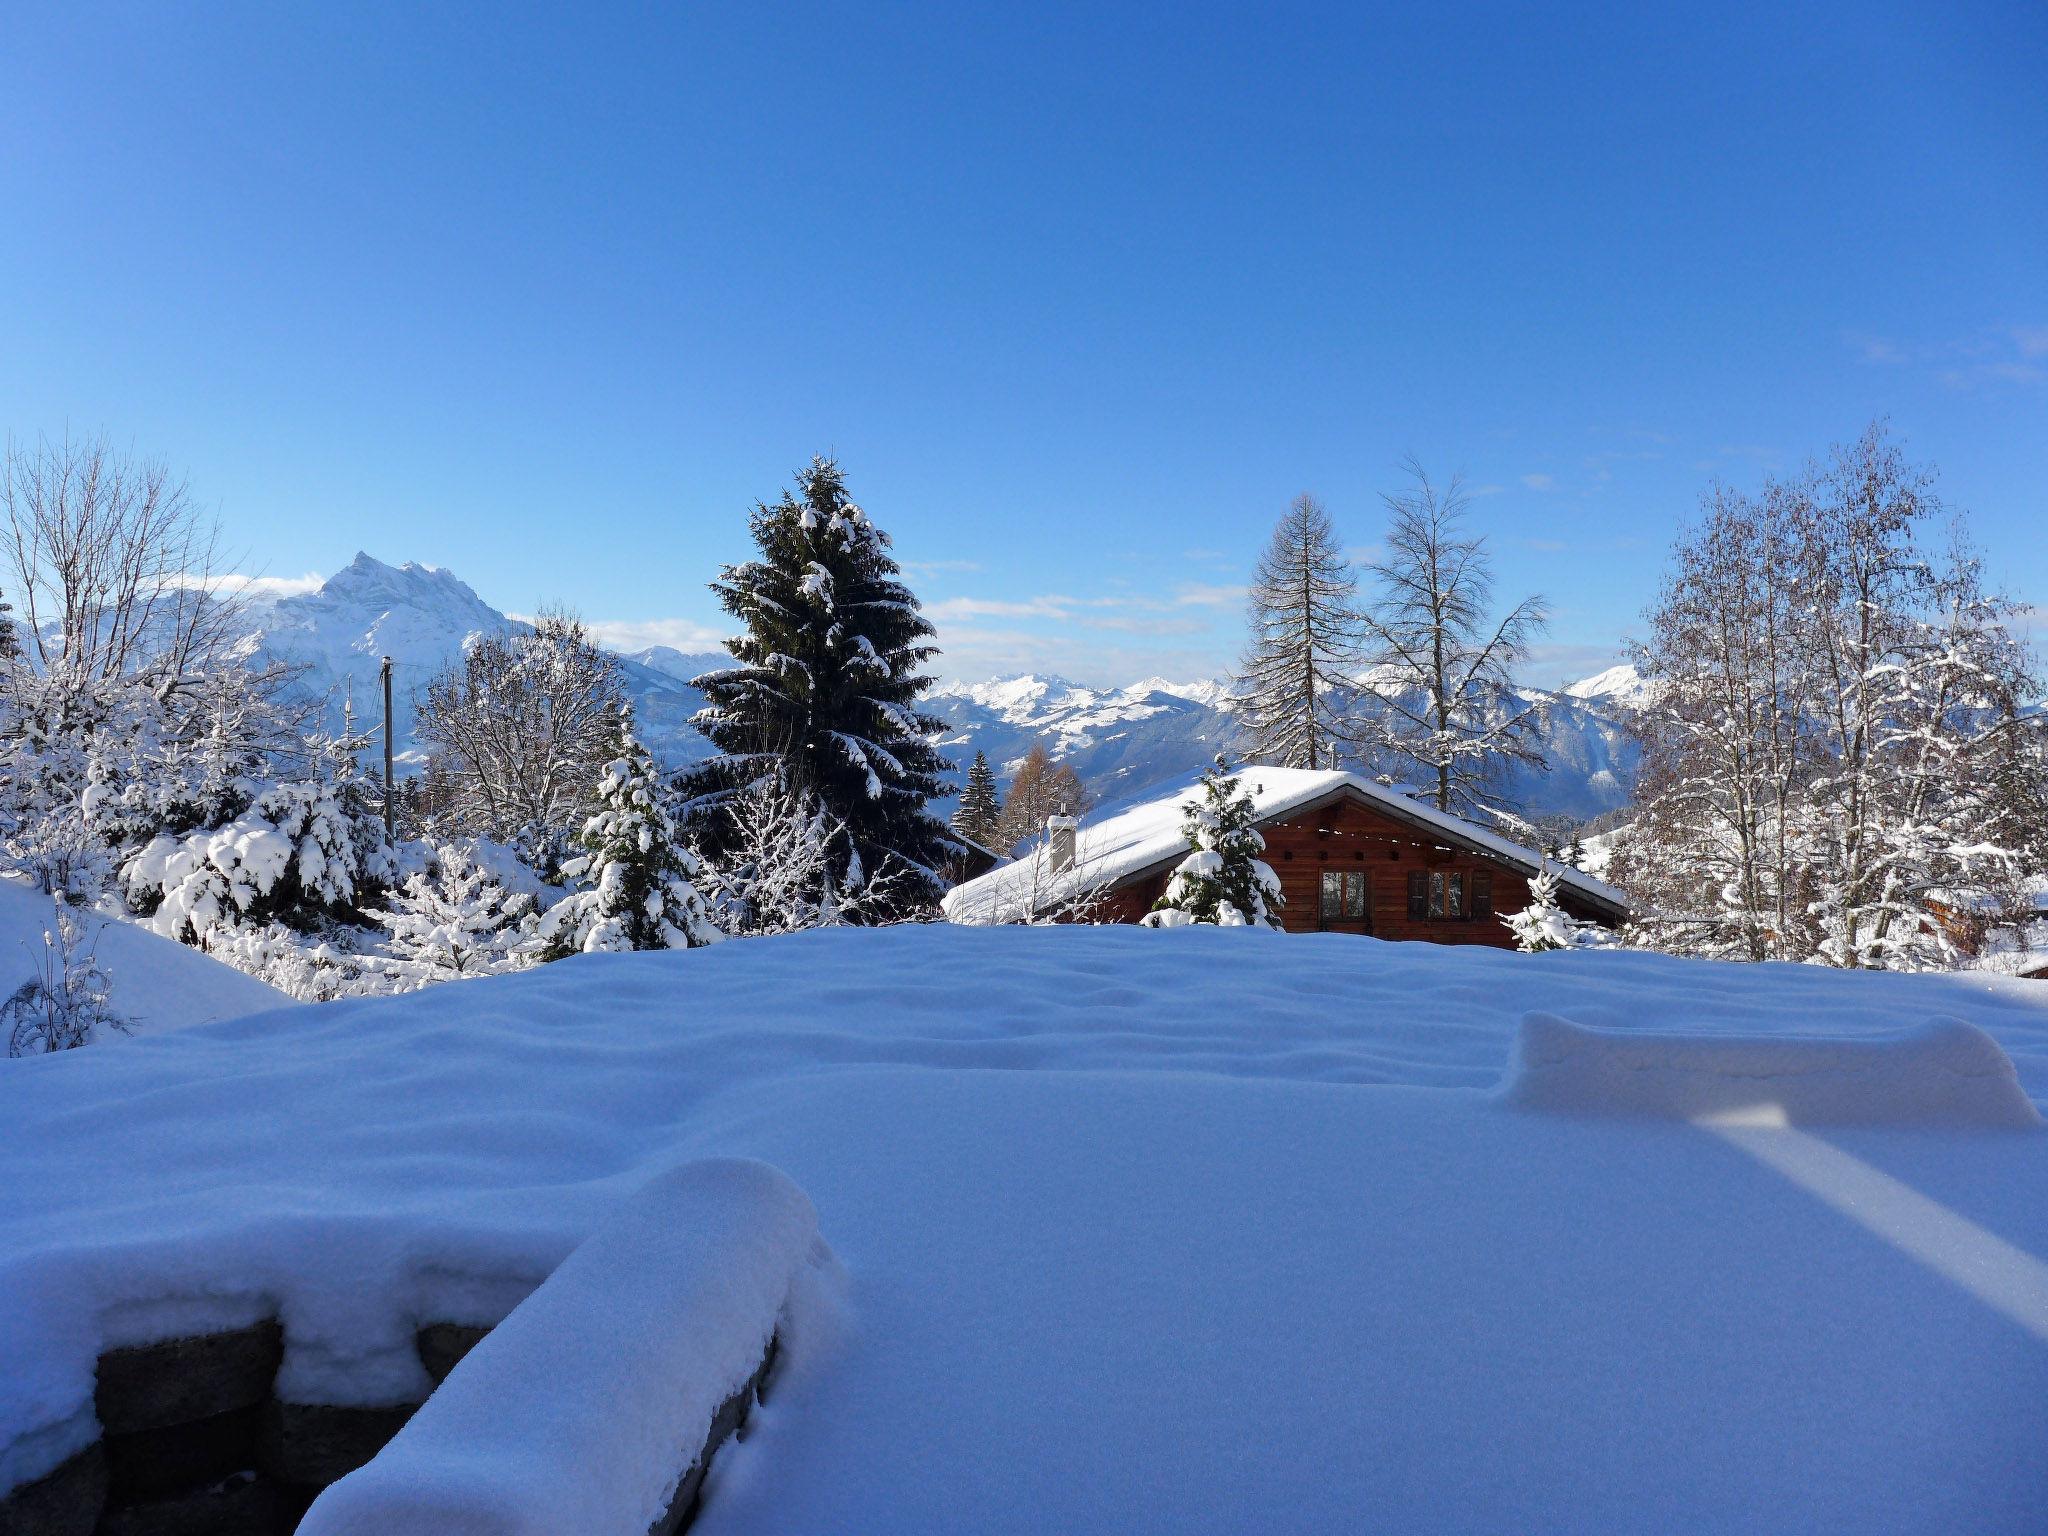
{"x": 156, "y": 983}
{"x": 1198, "y": 1230}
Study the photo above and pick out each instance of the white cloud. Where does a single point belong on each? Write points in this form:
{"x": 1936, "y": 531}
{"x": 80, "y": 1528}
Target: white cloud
{"x": 925, "y": 570}
{"x": 258, "y": 586}
{"x": 1538, "y": 482}
{"x": 1196, "y": 594}
{"x": 638, "y": 634}
{"x": 1050, "y": 607}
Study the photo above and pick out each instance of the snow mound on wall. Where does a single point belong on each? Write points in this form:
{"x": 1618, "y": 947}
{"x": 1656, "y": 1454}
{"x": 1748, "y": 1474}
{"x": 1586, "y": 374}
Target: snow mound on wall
{"x": 1943, "y": 1073}
{"x": 578, "y": 1411}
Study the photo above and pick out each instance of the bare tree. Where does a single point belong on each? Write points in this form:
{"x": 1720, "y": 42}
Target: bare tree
{"x": 1839, "y": 760}
{"x": 1443, "y": 667}
{"x": 525, "y": 719}
{"x": 1304, "y": 643}
{"x": 116, "y": 569}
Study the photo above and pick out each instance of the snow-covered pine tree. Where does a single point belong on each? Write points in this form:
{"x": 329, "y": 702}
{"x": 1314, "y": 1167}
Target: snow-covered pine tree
{"x": 456, "y": 919}
{"x": 10, "y": 642}
{"x": 1544, "y": 924}
{"x": 637, "y": 882}
{"x": 1223, "y": 880}
{"x": 824, "y": 693}
{"x": 981, "y": 808}
{"x": 1443, "y": 709}
{"x": 1304, "y": 643}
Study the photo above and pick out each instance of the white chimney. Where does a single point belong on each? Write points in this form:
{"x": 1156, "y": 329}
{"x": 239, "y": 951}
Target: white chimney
{"x": 1059, "y": 836}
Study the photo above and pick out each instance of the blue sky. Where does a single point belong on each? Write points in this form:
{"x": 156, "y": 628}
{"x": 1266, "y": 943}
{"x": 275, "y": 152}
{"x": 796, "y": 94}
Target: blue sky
{"x": 1081, "y": 296}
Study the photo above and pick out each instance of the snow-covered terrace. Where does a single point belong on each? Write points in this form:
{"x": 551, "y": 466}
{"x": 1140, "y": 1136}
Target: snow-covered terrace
{"x": 1128, "y": 1231}
{"x": 1146, "y": 837}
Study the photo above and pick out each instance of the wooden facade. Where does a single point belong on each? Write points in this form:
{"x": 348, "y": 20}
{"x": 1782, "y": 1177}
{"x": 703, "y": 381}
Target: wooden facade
{"x": 1385, "y": 876}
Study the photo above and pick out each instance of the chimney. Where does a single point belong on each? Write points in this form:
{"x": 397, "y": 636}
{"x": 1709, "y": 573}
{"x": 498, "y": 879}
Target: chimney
{"x": 1059, "y": 836}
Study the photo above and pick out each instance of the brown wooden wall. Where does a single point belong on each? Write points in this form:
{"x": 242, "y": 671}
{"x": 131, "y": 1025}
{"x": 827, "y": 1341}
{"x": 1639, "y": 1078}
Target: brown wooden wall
{"x": 1350, "y": 835}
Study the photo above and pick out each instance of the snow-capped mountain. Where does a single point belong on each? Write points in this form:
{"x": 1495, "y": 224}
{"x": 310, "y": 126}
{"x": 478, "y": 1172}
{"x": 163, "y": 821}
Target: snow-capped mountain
{"x": 1125, "y": 743}
{"x": 1621, "y": 685}
{"x": 422, "y": 617}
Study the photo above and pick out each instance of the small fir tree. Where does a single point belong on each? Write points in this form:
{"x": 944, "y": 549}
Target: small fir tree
{"x": 638, "y": 883}
{"x": 1544, "y": 924}
{"x": 456, "y": 919}
{"x": 981, "y": 809}
{"x": 823, "y": 698}
{"x": 1223, "y": 881}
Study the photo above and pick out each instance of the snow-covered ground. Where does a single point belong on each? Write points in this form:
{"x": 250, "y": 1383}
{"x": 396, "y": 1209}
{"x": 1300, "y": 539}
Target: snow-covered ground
{"x": 156, "y": 983}
{"x": 1198, "y": 1230}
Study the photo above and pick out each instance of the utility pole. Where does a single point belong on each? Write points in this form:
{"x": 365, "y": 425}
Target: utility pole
{"x": 386, "y": 672}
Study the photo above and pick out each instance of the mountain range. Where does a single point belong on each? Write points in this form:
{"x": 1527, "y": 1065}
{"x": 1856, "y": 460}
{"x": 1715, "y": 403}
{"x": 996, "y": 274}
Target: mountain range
{"x": 1124, "y": 743}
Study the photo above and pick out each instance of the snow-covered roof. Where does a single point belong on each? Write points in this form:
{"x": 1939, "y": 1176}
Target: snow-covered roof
{"x": 1117, "y": 848}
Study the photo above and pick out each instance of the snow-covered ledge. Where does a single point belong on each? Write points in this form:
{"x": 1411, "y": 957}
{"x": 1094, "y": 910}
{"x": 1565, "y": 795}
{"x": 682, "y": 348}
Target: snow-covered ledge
{"x": 594, "y": 1405}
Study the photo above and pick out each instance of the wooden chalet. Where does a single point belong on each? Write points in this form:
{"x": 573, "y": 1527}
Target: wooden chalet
{"x": 1352, "y": 856}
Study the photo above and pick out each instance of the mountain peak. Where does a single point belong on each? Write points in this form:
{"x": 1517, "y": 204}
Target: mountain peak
{"x": 1620, "y": 684}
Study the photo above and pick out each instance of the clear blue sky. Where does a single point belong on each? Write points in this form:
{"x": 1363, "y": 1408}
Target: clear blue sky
{"x": 1080, "y": 295}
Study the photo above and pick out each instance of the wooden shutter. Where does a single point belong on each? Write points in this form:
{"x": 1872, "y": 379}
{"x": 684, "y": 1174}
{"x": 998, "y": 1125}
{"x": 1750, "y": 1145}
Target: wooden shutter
{"x": 1418, "y": 893}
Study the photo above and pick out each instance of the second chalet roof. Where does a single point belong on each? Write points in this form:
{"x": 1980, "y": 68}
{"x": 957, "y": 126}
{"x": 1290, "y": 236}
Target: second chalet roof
{"x": 1117, "y": 848}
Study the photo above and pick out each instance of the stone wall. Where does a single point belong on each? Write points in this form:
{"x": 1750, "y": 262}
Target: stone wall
{"x": 195, "y": 1443}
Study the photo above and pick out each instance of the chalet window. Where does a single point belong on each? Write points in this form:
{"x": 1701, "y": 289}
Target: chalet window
{"x": 1482, "y": 895}
{"x": 1343, "y": 896}
{"x": 1436, "y": 894}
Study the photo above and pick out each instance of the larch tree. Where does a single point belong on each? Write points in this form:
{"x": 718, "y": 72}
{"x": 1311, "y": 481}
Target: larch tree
{"x": 981, "y": 808}
{"x": 1039, "y": 790}
{"x": 1304, "y": 644}
{"x": 1442, "y": 706}
{"x": 823, "y": 697}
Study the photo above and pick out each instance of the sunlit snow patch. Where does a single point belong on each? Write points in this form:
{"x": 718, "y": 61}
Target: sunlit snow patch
{"x": 1943, "y": 1073}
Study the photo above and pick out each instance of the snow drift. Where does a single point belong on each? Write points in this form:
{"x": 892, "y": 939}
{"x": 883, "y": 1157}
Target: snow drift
{"x": 580, "y": 1411}
{"x": 1116, "y": 1209}
{"x": 1944, "y": 1073}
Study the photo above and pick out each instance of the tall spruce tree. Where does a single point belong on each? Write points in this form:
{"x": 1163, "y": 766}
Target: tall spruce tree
{"x": 825, "y": 692}
{"x": 981, "y": 809}
{"x": 1304, "y": 643}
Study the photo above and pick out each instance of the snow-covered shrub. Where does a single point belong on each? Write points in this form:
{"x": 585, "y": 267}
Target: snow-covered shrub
{"x": 66, "y": 1001}
{"x": 638, "y": 884}
{"x": 294, "y": 855}
{"x": 1543, "y": 924}
{"x": 304, "y": 966}
{"x": 1223, "y": 881}
{"x": 787, "y": 867}
{"x": 458, "y": 918}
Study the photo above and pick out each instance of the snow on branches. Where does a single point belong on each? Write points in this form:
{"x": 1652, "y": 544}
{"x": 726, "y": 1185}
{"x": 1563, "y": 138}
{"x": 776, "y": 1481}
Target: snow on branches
{"x": 822, "y": 698}
{"x": 1544, "y": 924}
{"x": 637, "y": 882}
{"x": 1840, "y": 761}
{"x": 1223, "y": 880}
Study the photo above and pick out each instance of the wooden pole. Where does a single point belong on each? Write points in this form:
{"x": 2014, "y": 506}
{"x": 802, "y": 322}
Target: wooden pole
{"x": 386, "y": 670}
